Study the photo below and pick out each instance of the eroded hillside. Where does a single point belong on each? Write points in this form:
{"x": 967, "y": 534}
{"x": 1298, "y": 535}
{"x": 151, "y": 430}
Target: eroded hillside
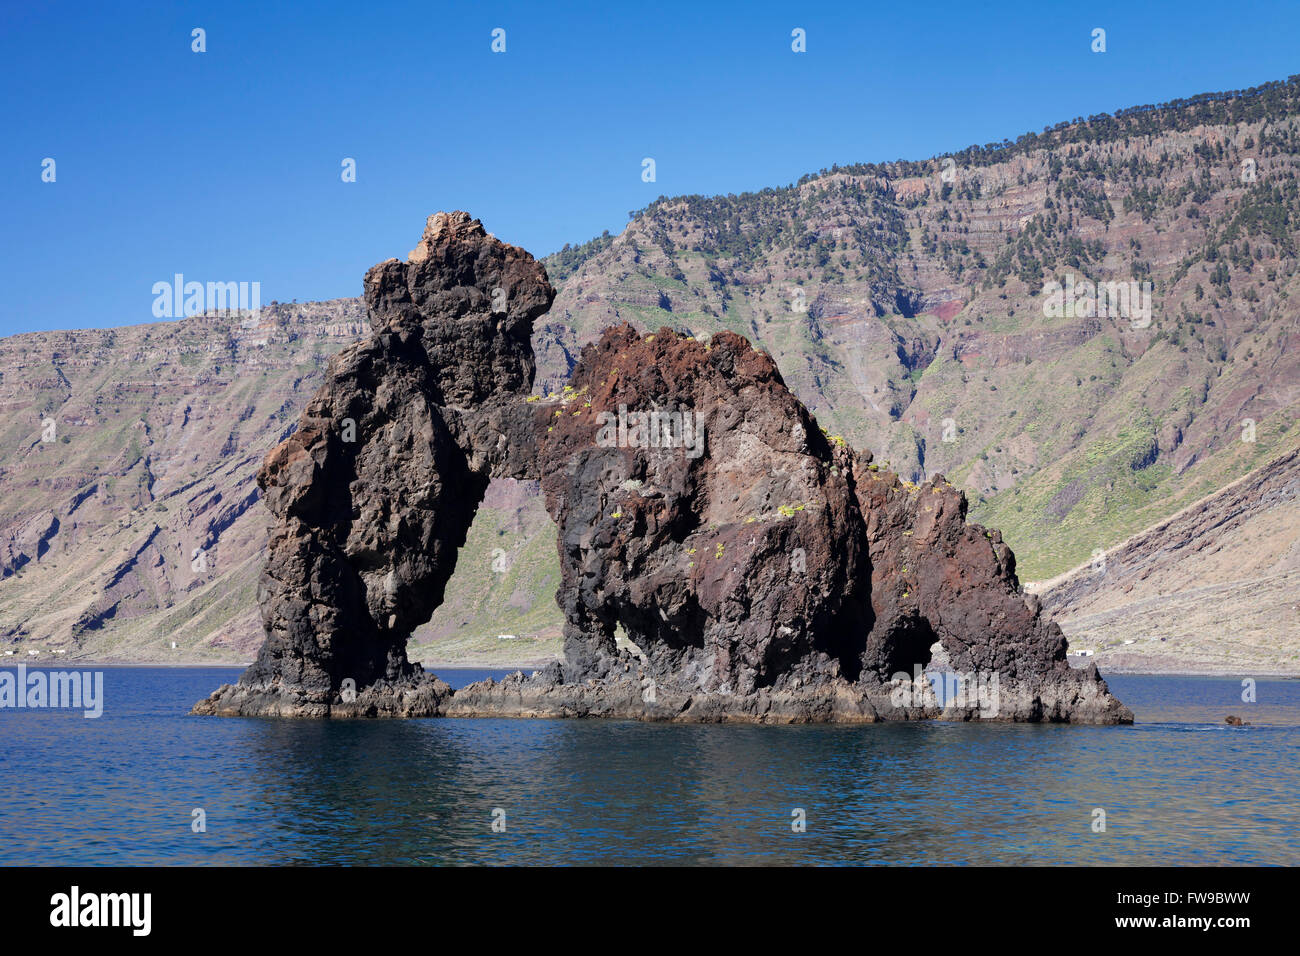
{"x": 1211, "y": 588}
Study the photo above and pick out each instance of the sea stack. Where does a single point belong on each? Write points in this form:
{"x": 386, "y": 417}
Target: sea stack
{"x": 762, "y": 570}
{"x": 373, "y": 493}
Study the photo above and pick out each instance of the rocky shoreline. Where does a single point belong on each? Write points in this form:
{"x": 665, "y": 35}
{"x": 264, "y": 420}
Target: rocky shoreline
{"x": 634, "y": 695}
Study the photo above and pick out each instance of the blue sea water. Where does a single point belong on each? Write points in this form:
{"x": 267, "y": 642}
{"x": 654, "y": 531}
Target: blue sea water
{"x": 1178, "y": 787}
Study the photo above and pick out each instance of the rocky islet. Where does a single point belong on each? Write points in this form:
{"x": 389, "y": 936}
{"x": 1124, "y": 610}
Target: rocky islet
{"x": 761, "y": 570}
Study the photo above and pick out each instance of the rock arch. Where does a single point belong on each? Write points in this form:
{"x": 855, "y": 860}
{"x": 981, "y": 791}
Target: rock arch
{"x": 764, "y": 570}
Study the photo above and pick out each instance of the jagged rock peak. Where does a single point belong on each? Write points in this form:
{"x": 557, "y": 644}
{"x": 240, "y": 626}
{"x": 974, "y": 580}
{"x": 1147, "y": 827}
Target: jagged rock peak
{"x": 443, "y": 228}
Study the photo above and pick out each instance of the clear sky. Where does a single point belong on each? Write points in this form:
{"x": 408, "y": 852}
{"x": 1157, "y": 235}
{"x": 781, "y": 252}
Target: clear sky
{"x": 226, "y": 165}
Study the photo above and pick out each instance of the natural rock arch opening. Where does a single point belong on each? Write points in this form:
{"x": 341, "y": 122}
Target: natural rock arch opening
{"x": 503, "y": 585}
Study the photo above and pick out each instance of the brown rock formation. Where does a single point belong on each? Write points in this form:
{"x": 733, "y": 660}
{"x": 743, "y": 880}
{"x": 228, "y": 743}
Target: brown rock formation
{"x": 699, "y": 506}
{"x": 762, "y": 570}
{"x": 375, "y": 491}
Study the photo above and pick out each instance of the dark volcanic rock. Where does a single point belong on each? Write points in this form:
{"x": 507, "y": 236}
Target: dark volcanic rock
{"x": 375, "y": 491}
{"x": 700, "y": 507}
{"x": 761, "y": 570}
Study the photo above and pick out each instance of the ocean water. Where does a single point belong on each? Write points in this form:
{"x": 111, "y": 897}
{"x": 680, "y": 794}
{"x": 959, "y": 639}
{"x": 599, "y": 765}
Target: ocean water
{"x": 1178, "y": 787}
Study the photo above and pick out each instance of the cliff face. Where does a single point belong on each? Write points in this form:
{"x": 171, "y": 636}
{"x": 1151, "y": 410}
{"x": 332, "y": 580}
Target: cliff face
{"x": 128, "y": 491}
{"x": 761, "y": 570}
{"x": 905, "y": 306}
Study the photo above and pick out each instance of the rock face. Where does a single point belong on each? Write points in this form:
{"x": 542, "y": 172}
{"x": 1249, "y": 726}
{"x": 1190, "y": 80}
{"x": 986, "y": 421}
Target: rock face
{"x": 374, "y": 492}
{"x": 760, "y": 569}
{"x": 699, "y": 506}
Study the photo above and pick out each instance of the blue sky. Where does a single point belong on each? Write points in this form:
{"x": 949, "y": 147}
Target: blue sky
{"x": 225, "y": 165}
